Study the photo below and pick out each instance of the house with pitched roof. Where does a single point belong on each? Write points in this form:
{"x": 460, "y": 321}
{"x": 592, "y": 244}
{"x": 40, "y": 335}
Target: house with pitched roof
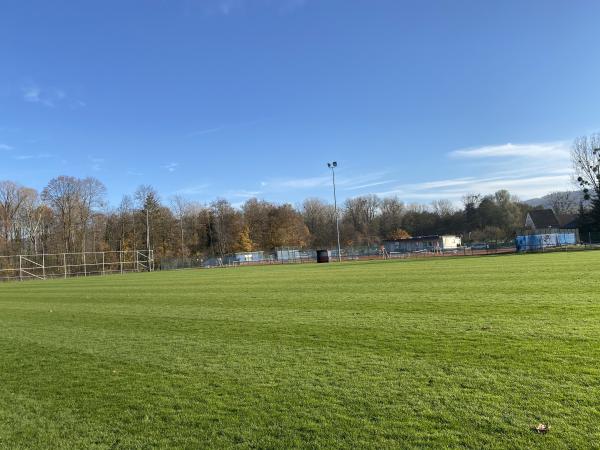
{"x": 541, "y": 219}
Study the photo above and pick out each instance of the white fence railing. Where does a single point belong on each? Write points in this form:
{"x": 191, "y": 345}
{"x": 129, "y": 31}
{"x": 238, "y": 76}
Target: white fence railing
{"x": 63, "y": 265}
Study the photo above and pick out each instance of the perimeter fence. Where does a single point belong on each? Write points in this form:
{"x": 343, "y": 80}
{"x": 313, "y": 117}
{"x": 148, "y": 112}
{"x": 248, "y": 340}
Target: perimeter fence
{"x": 287, "y": 255}
{"x": 65, "y": 265}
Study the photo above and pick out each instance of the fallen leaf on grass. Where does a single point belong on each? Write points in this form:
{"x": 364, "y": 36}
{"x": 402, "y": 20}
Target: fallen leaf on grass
{"x": 542, "y": 428}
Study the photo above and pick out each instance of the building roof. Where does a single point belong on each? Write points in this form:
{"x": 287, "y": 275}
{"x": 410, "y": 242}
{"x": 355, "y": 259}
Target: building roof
{"x": 418, "y": 238}
{"x": 544, "y": 218}
{"x": 568, "y": 220}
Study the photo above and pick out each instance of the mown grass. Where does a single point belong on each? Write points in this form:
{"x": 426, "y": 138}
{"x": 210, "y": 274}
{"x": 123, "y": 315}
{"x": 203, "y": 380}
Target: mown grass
{"x": 466, "y": 352}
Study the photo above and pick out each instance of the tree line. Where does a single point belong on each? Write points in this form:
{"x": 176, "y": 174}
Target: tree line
{"x": 71, "y": 215}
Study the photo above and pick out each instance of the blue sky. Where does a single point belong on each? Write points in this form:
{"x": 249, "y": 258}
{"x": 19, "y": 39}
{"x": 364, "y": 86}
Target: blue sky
{"x": 240, "y": 98}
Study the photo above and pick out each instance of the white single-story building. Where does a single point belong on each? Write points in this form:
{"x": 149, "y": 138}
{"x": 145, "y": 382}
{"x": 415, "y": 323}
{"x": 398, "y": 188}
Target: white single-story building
{"x": 430, "y": 243}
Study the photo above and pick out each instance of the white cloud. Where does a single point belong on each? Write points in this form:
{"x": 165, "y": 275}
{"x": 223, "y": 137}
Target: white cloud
{"x": 543, "y": 149}
{"x": 243, "y": 193}
{"x": 48, "y": 96}
{"x": 193, "y": 190}
{"x": 289, "y": 6}
{"x": 227, "y": 126}
{"x": 96, "y": 163}
{"x": 227, "y": 7}
{"x": 526, "y": 170}
{"x": 343, "y": 181}
{"x": 302, "y": 183}
{"x": 6, "y": 147}
{"x": 171, "y": 167}
{"x": 524, "y": 187}
{"x": 31, "y": 94}
{"x": 37, "y": 156}
{"x": 368, "y": 185}
{"x": 77, "y": 104}
{"x": 205, "y": 131}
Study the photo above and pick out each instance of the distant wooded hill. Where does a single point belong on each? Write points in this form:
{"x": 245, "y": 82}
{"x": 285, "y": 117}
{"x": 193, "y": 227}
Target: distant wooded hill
{"x": 549, "y": 201}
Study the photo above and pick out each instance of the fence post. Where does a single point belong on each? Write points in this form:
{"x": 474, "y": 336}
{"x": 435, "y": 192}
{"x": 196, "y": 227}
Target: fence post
{"x": 65, "y": 263}
{"x": 121, "y": 261}
{"x": 44, "y": 265}
{"x": 103, "y": 264}
{"x": 84, "y": 266}
{"x": 20, "y": 268}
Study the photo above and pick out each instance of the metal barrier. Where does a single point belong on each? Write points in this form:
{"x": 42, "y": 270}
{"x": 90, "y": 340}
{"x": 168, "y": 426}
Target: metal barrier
{"x": 63, "y": 265}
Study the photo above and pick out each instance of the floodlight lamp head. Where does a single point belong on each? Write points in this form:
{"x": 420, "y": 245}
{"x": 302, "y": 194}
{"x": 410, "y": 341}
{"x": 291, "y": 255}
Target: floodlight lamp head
{"x": 335, "y": 164}
{"x": 329, "y": 165}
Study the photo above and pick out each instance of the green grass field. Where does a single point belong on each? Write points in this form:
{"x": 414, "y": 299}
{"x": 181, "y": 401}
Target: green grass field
{"x": 466, "y": 352}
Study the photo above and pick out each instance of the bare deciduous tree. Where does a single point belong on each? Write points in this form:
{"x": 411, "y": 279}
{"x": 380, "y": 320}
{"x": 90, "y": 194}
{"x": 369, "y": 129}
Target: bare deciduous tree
{"x": 92, "y": 193}
{"x": 585, "y": 157}
{"x": 443, "y": 207}
{"x": 392, "y": 213}
{"x": 361, "y": 213}
{"x": 319, "y": 217}
{"x": 62, "y": 194}
{"x": 31, "y": 217}
{"x": 12, "y": 196}
{"x": 180, "y": 207}
{"x": 562, "y": 202}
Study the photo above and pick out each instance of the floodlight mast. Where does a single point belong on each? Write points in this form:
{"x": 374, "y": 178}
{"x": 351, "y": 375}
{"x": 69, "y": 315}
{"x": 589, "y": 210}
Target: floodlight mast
{"x": 332, "y": 165}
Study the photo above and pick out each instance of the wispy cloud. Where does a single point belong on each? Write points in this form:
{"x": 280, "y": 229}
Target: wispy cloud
{"x": 6, "y": 147}
{"x": 301, "y": 183}
{"x": 49, "y": 96}
{"x": 96, "y": 163}
{"x": 547, "y": 149}
{"x": 289, "y": 6}
{"x": 193, "y": 190}
{"x": 527, "y": 170}
{"x": 369, "y": 185}
{"x": 77, "y": 104}
{"x": 205, "y": 131}
{"x": 344, "y": 181}
{"x": 171, "y": 167}
{"x": 525, "y": 187}
{"x": 210, "y": 130}
{"x": 227, "y": 7}
{"x": 36, "y": 156}
{"x": 242, "y": 193}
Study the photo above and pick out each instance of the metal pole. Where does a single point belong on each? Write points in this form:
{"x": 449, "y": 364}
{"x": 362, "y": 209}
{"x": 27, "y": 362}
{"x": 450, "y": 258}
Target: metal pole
{"x": 103, "y": 269}
{"x": 84, "y": 266}
{"x": 44, "y": 265}
{"x": 20, "y": 268}
{"x": 337, "y": 218}
{"x": 65, "y": 263}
